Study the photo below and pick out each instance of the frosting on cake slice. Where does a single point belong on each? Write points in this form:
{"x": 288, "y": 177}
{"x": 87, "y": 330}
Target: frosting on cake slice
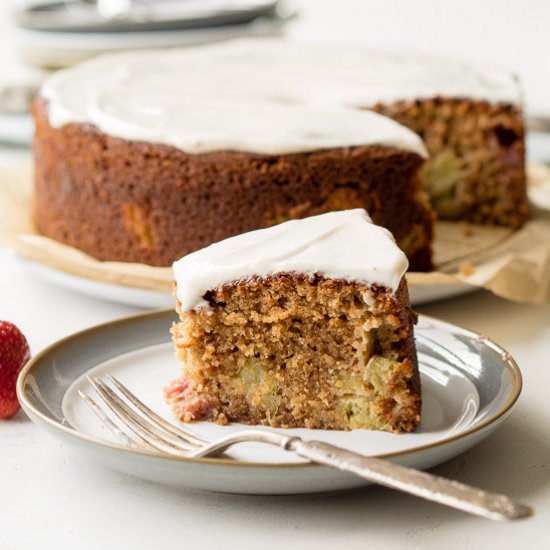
{"x": 306, "y": 324}
{"x": 338, "y": 245}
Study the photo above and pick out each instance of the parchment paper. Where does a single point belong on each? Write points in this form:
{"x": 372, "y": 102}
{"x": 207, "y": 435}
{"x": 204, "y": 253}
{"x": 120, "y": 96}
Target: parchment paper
{"x": 515, "y": 266}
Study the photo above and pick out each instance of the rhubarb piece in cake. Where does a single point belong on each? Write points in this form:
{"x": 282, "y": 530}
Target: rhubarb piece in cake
{"x": 304, "y": 324}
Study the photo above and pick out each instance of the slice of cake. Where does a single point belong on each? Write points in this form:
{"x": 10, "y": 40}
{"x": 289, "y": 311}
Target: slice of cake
{"x": 304, "y": 324}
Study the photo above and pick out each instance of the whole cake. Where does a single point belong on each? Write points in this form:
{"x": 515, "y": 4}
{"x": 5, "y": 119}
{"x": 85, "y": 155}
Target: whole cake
{"x": 304, "y": 324}
{"x": 146, "y": 156}
{"x": 469, "y": 115}
{"x": 150, "y": 184}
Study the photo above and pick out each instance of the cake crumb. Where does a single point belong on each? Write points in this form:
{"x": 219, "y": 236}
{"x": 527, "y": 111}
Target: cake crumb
{"x": 466, "y": 269}
{"x": 333, "y": 363}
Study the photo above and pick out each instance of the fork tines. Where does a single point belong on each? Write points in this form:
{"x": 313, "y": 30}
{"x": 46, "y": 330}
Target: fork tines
{"x": 136, "y": 424}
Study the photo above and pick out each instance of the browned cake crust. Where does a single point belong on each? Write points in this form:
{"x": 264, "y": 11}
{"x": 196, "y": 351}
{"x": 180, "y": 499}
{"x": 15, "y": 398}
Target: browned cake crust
{"x": 292, "y": 351}
{"x": 476, "y": 170}
{"x": 139, "y": 202}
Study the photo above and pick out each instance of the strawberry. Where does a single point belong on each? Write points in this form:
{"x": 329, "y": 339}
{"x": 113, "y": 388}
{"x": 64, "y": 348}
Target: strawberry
{"x": 14, "y": 353}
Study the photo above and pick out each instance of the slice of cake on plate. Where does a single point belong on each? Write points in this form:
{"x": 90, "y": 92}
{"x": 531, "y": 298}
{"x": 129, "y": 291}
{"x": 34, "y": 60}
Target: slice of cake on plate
{"x": 304, "y": 324}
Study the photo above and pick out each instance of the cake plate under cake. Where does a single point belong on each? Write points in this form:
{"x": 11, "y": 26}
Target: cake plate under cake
{"x": 470, "y": 387}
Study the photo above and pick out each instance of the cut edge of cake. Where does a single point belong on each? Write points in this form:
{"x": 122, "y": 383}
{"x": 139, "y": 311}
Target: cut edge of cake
{"x": 297, "y": 348}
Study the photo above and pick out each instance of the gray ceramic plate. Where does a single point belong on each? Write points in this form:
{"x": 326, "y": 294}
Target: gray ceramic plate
{"x": 469, "y": 387}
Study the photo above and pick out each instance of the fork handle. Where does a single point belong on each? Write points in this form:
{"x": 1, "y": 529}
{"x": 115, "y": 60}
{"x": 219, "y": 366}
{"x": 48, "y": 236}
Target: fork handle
{"x": 422, "y": 484}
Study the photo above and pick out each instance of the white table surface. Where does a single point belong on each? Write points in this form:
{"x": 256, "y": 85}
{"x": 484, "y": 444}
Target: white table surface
{"x": 53, "y": 498}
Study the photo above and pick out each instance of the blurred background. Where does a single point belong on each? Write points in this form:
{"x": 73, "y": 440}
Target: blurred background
{"x": 33, "y": 40}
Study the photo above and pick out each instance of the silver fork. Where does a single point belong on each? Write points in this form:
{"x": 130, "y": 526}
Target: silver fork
{"x": 150, "y": 430}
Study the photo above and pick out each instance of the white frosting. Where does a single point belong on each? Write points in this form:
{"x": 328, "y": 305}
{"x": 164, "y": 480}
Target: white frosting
{"x": 339, "y": 245}
{"x": 243, "y": 95}
{"x": 141, "y": 97}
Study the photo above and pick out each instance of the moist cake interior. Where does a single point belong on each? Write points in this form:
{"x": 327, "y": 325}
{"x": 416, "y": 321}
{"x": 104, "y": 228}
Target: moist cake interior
{"x": 293, "y": 350}
{"x": 476, "y": 168}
